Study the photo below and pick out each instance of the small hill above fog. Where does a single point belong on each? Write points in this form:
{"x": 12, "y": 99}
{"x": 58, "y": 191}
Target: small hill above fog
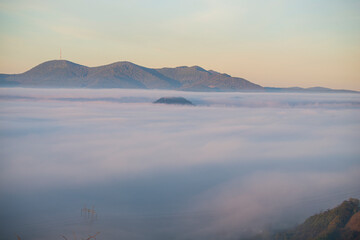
{"x": 174, "y": 100}
{"x": 66, "y": 74}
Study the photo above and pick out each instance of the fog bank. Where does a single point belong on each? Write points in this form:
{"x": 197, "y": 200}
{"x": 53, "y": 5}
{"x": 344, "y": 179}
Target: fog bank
{"x": 234, "y": 164}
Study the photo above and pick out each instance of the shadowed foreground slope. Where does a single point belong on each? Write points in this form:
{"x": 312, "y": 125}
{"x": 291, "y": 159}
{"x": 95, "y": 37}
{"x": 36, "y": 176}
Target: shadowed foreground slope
{"x": 341, "y": 222}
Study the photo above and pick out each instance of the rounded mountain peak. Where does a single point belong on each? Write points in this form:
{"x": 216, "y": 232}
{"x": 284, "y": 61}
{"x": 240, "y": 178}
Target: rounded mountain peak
{"x": 57, "y": 67}
{"x": 58, "y": 64}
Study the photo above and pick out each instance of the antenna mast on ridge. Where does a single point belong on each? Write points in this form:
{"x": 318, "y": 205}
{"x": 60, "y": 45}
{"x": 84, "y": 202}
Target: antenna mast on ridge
{"x": 60, "y": 53}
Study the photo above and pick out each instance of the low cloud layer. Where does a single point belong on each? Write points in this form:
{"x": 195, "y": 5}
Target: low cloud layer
{"x": 234, "y": 164}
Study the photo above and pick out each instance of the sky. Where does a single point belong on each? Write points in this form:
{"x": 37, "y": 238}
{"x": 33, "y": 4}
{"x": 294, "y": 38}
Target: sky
{"x": 272, "y": 43}
{"x": 234, "y": 164}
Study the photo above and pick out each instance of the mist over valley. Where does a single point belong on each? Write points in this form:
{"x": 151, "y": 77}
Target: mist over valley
{"x": 232, "y": 166}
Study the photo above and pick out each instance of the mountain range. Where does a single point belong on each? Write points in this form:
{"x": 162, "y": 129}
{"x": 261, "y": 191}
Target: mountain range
{"x": 66, "y": 74}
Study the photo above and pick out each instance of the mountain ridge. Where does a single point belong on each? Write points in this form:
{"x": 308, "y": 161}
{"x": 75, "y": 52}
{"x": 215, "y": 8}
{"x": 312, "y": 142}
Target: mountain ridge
{"x": 125, "y": 74}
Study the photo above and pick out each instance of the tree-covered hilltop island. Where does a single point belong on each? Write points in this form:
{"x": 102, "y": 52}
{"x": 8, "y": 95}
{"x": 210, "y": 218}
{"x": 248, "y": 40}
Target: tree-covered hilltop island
{"x": 174, "y": 100}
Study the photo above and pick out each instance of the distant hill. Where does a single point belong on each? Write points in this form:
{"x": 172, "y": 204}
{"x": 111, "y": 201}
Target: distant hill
{"x": 66, "y": 74}
{"x": 174, "y": 100}
{"x": 312, "y": 89}
{"x": 341, "y": 222}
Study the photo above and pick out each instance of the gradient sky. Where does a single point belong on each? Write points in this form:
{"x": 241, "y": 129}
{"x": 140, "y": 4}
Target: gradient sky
{"x": 272, "y": 43}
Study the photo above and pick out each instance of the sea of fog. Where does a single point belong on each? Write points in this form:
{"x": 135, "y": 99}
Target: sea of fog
{"x": 75, "y": 162}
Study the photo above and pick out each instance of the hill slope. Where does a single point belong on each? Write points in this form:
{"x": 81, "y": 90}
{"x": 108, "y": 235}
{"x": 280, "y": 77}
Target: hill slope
{"x": 197, "y": 78}
{"x": 66, "y": 74}
{"x": 341, "y": 222}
